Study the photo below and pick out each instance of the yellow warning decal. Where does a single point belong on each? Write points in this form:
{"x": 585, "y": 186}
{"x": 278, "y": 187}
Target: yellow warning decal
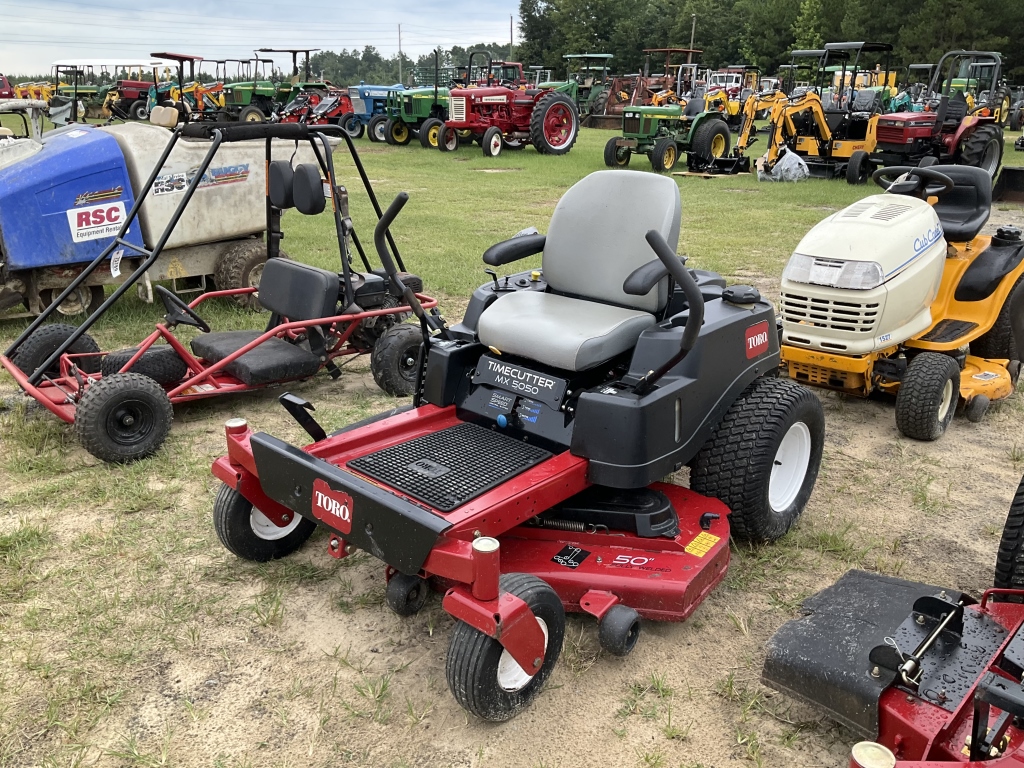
{"x": 702, "y": 544}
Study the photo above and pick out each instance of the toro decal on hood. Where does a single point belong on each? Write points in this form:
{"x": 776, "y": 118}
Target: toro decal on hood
{"x": 757, "y": 339}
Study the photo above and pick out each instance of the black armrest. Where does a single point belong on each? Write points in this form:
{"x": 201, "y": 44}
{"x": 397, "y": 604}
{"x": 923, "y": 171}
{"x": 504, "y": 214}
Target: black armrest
{"x": 642, "y": 279}
{"x": 515, "y": 249}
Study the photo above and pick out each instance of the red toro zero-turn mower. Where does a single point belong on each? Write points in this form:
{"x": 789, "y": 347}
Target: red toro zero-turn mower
{"x": 933, "y": 675}
{"x": 526, "y": 479}
{"x": 120, "y": 402}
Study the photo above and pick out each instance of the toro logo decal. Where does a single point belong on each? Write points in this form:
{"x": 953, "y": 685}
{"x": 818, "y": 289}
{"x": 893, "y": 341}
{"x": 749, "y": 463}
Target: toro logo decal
{"x": 96, "y": 221}
{"x": 757, "y": 339}
{"x": 334, "y": 508}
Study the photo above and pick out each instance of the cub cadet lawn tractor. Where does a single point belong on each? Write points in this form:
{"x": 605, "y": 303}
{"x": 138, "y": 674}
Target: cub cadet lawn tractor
{"x": 894, "y": 295}
{"x": 931, "y": 675}
{"x": 526, "y": 480}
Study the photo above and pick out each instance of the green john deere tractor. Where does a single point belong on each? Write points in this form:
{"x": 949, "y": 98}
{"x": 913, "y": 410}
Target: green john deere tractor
{"x": 586, "y": 81}
{"x": 664, "y": 133}
{"x": 419, "y": 111}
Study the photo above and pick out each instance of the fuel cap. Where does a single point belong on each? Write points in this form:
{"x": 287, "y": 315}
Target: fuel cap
{"x": 741, "y": 294}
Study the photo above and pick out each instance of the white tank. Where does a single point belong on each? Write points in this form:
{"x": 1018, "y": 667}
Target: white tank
{"x": 229, "y": 204}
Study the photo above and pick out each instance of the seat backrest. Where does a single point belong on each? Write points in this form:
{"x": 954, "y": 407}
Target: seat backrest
{"x": 965, "y": 209}
{"x": 301, "y": 187}
{"x": 956, "y": 108}
{"x": 866, "y": 101}
{"x": 694, "y": 107}
{"x": 298, "y": 291}
{"x": 596, "y": 236}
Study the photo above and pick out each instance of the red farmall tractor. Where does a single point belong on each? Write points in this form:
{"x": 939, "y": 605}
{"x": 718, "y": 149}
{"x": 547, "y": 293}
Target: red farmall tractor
{"x": 507, "y": 117}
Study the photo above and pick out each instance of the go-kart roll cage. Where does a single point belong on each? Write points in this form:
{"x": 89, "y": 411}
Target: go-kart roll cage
{"x": 219, "y": 134}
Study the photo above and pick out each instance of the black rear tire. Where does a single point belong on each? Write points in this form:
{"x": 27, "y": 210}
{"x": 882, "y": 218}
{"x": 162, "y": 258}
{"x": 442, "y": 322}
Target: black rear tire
{"x": 859, "y": 168}
{"x": 775, "y": 426}
{"x": 664, "y": 155}
{"x": 984, "y": 149}
{"x": 406, "y": 594}
{"x": 241, "y": 266}
{"x": 1016, "y": 121}
{"x": 708, "y": 142}
{"x": 998, "y": 342}
{"x": 123, "y": 418}
{"x": 394, "y": 361}
{"x": 1010, "y": 557}
{"x": 139, "y": 110}
{"x": 248, "y": 533}
{"x": 160, "y": 363}
{"x": 614, "y": 156}
{"x": 927, "y": 396}
{"x": 45, "y": 340}
{"x": 619, "y": 629}
{"x": 474, "y": 659}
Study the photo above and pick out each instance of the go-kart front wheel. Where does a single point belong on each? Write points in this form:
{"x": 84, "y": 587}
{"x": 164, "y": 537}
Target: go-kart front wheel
{"x": 763, "y": 458}
{"x": 123, "y": 417}
{"x": 248, "y": 533}
{"x": 394, "y": 361}
{"x": 483, "y": 676}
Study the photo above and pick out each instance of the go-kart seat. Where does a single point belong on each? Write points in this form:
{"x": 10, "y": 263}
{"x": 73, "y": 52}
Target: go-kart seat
{"x": 290, "y": 290}
{"x": 595, "y": 240}
{"x": 964, "y": 210}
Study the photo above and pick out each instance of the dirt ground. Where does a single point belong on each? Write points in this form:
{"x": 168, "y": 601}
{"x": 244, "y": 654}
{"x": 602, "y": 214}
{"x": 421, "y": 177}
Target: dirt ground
{"x": 130, "y": 637}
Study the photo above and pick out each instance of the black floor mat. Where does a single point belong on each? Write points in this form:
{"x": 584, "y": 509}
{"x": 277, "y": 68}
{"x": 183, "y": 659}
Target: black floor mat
{"x": 448, "y": 468}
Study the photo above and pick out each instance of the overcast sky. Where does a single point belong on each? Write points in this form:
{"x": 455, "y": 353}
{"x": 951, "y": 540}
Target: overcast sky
{"x": 35, "y": 34}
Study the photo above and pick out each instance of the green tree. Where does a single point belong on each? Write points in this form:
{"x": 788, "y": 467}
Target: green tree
{"x": 809, "y": 24}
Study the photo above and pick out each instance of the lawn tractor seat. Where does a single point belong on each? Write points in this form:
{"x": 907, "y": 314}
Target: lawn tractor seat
{"x": 965, "y": 208}
{"x": 594, "y": 242}
{"x": 289, "y": 289}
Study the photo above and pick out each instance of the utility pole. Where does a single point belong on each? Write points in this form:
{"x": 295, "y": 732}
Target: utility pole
{"x": 399, "y": 53}
{"x": 510, "y": 56}
{"x": 693, "y": 31}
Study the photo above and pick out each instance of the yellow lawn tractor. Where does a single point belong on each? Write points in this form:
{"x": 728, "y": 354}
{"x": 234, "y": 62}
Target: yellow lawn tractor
{"x": 898, "y": 293}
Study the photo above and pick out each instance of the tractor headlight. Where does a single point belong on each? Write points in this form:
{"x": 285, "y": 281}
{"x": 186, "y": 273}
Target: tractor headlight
{"x": 834, "y": 273}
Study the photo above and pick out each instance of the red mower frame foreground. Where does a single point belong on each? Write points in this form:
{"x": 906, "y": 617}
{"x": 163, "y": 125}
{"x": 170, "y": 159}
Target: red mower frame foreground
{"x": 525, "y": 479}
{"x": 121, "y": 402}
{"x": 933, "y": 676}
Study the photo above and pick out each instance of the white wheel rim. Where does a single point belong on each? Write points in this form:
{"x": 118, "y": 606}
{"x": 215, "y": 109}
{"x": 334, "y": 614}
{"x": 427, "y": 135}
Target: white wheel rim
{"x": 265, "y": 528}
{"x": 512, "y": 677}
{"x": 790, "y": 467}
{"x": 496, "y": 144}
{"x": 947, "y": 399}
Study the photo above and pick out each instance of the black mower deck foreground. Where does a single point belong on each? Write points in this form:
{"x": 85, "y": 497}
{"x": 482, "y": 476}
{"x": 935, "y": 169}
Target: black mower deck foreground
{"x": 524, "y": 481}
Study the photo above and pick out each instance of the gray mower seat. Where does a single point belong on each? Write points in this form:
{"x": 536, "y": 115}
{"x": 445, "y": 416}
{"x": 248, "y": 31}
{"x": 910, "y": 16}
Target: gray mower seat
{"x": 585, "y": 318}
{"x": 964, "y": 210}
{"x": 290, "y": 290}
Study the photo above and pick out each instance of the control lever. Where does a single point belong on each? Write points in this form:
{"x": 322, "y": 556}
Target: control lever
{"x": 299, "y": 409}
{"x": 494, "y": 277}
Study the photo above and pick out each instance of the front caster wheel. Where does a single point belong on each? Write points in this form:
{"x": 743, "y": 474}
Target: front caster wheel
{"x": 483, "y": 676}
{"x": 123, "y": 417}
{"x": 406, "y": 594}
{"x": 618, "y": 630}
{"x": 394, "y": 360}
{"x": 248, "y": 533}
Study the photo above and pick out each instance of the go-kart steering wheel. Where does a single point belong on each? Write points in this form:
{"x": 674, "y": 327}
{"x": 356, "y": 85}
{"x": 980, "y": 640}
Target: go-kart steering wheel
{"x": 911, "y": 180}
{"x": 180, "y": 313}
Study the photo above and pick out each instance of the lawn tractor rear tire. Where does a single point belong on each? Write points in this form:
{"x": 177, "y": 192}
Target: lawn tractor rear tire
{"x": 394, "y": 361}
{"x": 124, "y": 417}
{"x": 615, "y": 156}
{"x": 352, "y": 125}
{"x": 763, "y": 457}
{"x": 554, "y": 124}
{"x": 859, "y": 168}
{"x": 429, "y": 131}
{"x": 160, "y": 363}
{"x": 252, "y": 114}
{"x": 139, "y": 110}
{"x": 483, "y": 677}
{"x": 664, "y": 155}
{"x": 984, "y": 149}
{"x": 711, "y": 140}
{"x": 1010, "y": 556}
{"x": 406, "y": 594}
{"x": 927, "y": 396}
{"x": 447, "y": 139}
{"x": 46, "y": 340}
{"x": 83, "y": 302}
{"x": 618, "y": 630}
{"x": 248, "y": 533}
{"x": 998, "y": 342}
{"x": 397, "y": 133}
{"x": 241, "y": 266}
{"x": 491, "y": 143}
{"x": 376, "y": 127}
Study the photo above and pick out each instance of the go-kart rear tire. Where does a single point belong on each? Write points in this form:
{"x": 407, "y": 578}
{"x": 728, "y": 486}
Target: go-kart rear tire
{"x": 430, "y": 129}
{"x": 858, "y": 169}
{"x": 248, "y": 533}
{"x": 618, "y": 630}
{"x": 45, "y": 340}
{"x": 927, "y": 396}
{"x": 483, "y": 677}
{"x": 1010, "y": 556}
{"x": 375, "y": 129}
{"x": 394, "y": 361}
{"x": 352, "y": 125}
{"x": 763, "y": 457}
{"x": 998, "y": 342}
{"x": 241, "y": 266}
{"x": 614, "y": 156}
{"x": 406, "y": 594}
{"x": 160, "y": 363}
{"x": 124, "y": 417}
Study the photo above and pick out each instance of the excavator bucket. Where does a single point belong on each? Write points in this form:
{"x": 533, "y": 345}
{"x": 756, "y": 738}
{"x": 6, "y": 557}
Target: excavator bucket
{"x": 1010, "y": 185}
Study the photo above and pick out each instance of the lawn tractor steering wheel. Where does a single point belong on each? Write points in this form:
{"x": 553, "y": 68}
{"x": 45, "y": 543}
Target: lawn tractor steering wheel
{"x": 913, "y": 181}
{"x": 180, "y": 313}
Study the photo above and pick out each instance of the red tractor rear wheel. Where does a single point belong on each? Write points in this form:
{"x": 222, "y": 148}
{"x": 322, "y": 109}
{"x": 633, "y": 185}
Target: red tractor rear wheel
{"x": 554, "y": 124}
